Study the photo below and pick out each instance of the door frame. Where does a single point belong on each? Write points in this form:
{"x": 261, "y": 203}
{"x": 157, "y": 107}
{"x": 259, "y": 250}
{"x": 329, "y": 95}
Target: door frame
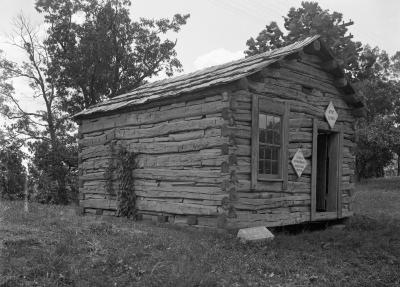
{"x": 314, "y": 215}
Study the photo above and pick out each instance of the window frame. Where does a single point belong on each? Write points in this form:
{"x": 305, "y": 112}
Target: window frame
{"x": 266, "y": 177}
{"x": 264, "y": 105}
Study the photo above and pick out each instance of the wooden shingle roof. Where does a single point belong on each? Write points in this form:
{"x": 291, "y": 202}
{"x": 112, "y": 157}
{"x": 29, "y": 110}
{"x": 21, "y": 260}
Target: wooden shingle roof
{"x": 192, "y": 82}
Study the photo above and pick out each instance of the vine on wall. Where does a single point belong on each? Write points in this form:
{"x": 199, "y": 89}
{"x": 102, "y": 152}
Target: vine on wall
{"x": 123, "y": 162}
{"x": 109, "y": 172}
{"x": 126, "y": 196}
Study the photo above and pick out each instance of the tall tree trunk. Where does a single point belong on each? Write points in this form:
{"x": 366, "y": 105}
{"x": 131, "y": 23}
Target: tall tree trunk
{"x": 58, "y": 173}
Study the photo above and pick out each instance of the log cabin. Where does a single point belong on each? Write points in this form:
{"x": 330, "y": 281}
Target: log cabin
{"x": 262, "y": 141}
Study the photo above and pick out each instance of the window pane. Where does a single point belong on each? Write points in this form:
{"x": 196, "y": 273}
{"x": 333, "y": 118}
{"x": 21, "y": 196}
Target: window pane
{"x": 262, "y": 121}
{"x": 277, "y": 121}
{"x": 277, "y": 137}
{"x": 267, "y": 152}
{"x": 261, "y": 168}
{"x": 270, "y": 134}
{"x": 270, "y": 137}
{"x": 261, "y": 151}
{"x": 270, "y": 122}
{"x": 268, "y": 167}
{"x": 262, "y": 136}
{"x": 275, "y": 153}
{"x": 274, "y": 167}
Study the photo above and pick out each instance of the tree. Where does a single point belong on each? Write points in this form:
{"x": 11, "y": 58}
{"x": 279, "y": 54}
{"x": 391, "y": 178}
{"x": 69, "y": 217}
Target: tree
{"x": 374, "y": 147}
{"x": 378, "y": 134}
{"x": 308, "y": 20}
{"x": 49, "y": 127}
{"x": 98, "y": 51}
{"x": 54, "y": 174}
{"x": 370, "y": 69}
{"x": 12, "y": 172}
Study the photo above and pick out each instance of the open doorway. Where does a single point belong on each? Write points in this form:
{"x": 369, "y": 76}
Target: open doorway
{"x": 327, "y": 184}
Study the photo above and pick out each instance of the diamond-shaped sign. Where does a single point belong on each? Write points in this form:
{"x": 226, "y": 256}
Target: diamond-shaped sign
{"x": 331, "y": 115}
{"x": 299, "y": 163}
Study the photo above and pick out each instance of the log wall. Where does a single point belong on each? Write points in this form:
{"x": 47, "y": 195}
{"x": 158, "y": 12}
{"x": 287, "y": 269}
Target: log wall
{"x": 181, "y": 158}
{"x": 270, "y": 204}
{"x": 194, "y": 154}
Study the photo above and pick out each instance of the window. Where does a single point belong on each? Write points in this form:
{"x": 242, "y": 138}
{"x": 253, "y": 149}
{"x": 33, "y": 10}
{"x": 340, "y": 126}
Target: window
{"x": 269, "y": 141}
{"x": 269, "y": 144}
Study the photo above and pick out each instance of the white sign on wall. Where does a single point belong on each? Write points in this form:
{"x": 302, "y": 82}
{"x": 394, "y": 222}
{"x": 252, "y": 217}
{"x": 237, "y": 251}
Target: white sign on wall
{"x": 331, "y": 115}
{"x": 299, "y": 163}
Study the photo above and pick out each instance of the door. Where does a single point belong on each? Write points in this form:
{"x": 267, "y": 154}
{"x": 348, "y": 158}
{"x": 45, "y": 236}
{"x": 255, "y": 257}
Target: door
{"x": 326, "y": 174}
{"x": 322, "y": 172}
{"x": 327, "y": 171}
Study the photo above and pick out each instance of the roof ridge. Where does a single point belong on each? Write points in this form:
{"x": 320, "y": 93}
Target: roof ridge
{"x": 226, "y": 64}
{"x": 199, "y": 79}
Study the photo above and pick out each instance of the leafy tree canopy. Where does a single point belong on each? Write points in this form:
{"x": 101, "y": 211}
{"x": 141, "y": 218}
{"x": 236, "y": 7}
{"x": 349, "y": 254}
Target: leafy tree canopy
{"x": 373, "y": 71}
{"x": 98, "y": 51}
{"x": 48, "y": 126}
{"x": 308, "y": 20}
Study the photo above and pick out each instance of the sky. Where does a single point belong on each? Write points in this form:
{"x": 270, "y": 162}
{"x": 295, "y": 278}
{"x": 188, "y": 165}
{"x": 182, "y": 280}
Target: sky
{"x": 217, "y": 30}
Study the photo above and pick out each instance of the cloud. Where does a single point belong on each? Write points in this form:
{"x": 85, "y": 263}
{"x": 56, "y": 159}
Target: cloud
{"x": 217, "y": 57}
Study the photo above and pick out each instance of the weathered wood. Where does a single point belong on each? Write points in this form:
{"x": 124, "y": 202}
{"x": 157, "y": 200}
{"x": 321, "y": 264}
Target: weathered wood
{"x": 285, "y": 145}
{"x": 177, "y": 147}
{"x": 191, "y": 175}
{"x": 314, "y": 171}
{"x": 168, "y": 128}
{"x": 151, "y": 117}
{"x": 269, "y": 220}
{"x": 194, "y": 153}
{"x": 176, "y": 208}
{"x": 99, "y": 203}
{"x": 314, "y": 48}
{"x": 254, "y": 141}
{"x": 339, "y": 174}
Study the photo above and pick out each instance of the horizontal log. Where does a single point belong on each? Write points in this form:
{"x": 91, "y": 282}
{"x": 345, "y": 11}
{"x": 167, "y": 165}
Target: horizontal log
{"x": 189, "y": 194}
{"x": 101, "y": 139}
{"x": 167, "y": 128}
{"x": 99, "y": 203}
{"x": 177, "y": 147}
{"x": 300, "y": 78}
{"x": 151, "y": 116}
{"x": 191, "y": 175}
{"x": 268, "y": 220}
{"x": 263, "y": 201}
{"x": 311, "y": 71}
{"x": 212, "y": 157}
{"x": 203, "y": 202}
{"x": 176, "y": 208}
{"x": 272, "y": 207}
{"x": 95, "y": 151}
{"x": 300, "y": 137}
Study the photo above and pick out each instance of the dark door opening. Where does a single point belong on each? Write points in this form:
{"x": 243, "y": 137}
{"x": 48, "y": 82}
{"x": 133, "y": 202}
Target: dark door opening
{"x": 327, "y": 171}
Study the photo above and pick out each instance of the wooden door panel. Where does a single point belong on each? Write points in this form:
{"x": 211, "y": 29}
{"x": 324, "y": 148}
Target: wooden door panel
{"x": 332, "y": 189}
{"x": 321, "y": 172}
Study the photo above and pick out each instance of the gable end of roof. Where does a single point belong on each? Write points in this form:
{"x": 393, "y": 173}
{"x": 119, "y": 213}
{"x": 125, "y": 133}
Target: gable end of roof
{"x": 220, "y": 75}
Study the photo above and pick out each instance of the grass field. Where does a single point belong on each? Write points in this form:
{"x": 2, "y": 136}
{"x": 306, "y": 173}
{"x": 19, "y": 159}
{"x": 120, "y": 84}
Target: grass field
{"x": 51, "y": 246}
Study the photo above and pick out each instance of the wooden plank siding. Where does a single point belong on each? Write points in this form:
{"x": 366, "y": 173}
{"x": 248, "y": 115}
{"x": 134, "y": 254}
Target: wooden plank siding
{"x": 180, "y": 157}
{"x": 194, "y": 139}
{"x": 270, "y": 204}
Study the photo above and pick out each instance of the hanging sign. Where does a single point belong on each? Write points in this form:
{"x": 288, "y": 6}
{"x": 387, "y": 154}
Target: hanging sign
{"x": 299, "y": 163}
{"x": 331, "y": 115}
